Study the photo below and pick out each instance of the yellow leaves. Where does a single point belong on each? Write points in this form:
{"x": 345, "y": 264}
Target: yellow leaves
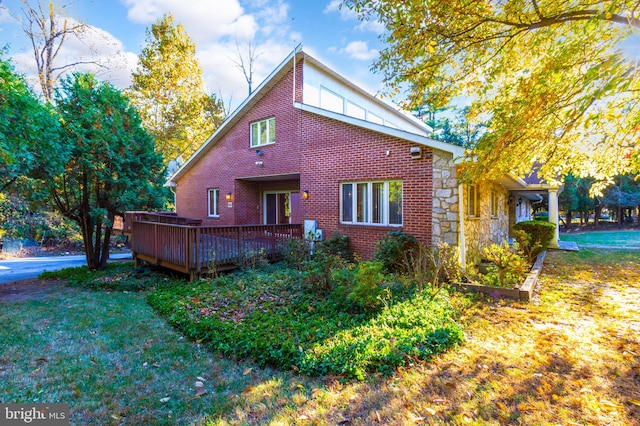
{"x": 431, "y": 47}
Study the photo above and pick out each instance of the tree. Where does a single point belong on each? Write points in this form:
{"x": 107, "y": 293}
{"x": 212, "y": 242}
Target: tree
{"x": 168, "y": 91}
{"x": 545, "y": 75}
{"x": 247, "y": 64}
{"x": 110, "y": 162}
{"x": 27, "y": 129}
{"x": 47, "y": 31}
{"x": 456, "y": 128}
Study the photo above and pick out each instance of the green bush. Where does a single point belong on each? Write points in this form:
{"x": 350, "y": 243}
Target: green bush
{"x": 508, "y": 268}
{"x": 537, "y": 238}
{"x": 394, "y": 249}
{"x": 337, "y": 245}
{"x": 296, "y": 252}
{"x": 368, "y": 291}
{"x": 239, "y": 314}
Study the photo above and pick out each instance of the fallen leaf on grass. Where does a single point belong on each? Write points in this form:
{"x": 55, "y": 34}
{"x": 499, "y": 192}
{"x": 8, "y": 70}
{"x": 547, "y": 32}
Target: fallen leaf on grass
{"x": 116, "y": 416}
{"x": 165, "y": 399}
{"x": 501, "y": 406}
{"x": 634, "y": 402}
{"x": 42, "y": 359}
{"x": 247, "y": 390}
{"x": 202, "y": 379}
{"x": 247, "y": 371}
{"x": 608, "y": 404}
{"x": 200, "y": 392}
{"x": 467, "y": 418}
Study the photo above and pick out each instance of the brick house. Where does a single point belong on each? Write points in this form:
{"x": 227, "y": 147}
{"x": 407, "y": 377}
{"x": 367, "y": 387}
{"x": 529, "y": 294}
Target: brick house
{"x": 309, "y": 146}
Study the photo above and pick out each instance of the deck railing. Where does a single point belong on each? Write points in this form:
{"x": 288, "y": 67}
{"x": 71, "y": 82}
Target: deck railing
{"x": 198, "y": 249}
{"x": 160, "y": 217}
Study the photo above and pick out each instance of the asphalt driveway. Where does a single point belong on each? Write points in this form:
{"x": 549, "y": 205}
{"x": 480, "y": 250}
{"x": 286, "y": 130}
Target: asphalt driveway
{"x": 12, "y": 270}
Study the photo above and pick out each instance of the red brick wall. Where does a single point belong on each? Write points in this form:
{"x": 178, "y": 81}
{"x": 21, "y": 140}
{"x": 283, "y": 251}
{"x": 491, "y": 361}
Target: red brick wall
{"x": 325, "y": 152}
{"x": 335, "y": 152}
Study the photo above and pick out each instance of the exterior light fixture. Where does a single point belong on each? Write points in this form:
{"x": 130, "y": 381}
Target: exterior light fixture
{"x": 305, "y": 194}
{"x": 228, "y": 196}
{"x": 259, "y": 152}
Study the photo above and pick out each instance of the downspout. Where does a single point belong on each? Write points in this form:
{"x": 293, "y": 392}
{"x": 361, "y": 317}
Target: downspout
{"x": 462, "y": 245}
{"x": 295, "y": 53}
{"x": 175, "y": 200}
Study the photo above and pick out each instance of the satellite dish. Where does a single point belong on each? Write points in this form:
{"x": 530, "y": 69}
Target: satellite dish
{"x": 172, "y": 167}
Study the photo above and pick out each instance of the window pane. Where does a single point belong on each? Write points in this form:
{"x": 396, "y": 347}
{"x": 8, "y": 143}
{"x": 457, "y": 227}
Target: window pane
{"x": 263, "y": 132}
{"x": 377, "y": 202}
{"x": 213, "y": 202}
{"x": 272, "y": 130}
{"x": 347, "y": 202}
{"x": 362, "y": 202}
{"x": 255, "y": 138}
{"x": 395, "y": 203}
{"x": 271, "y": 207}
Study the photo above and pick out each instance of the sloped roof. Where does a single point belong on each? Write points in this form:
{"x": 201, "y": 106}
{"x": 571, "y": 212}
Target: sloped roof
{"x": 278, "y": 73}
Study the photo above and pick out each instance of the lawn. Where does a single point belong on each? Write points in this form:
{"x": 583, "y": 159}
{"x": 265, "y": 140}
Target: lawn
{"x": 607, "y": 238}
{"x": 571, "y": 357}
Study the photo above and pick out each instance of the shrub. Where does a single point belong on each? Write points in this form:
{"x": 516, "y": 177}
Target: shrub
{"x": 435, "y": 265}
{"x": 368, "y": 291}
{"x": 392, "y": 250}
{"x": 296, "y": 251}
{"x": 538, "y": 236}
{"x": 509, "y": 269}
{"x": 337, "y": 245}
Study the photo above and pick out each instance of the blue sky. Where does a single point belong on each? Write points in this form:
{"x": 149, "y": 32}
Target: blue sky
{"x": 217, "y": 27}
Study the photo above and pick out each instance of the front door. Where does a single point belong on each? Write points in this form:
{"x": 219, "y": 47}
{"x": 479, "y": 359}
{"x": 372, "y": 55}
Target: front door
{"x": 281, "y": 207}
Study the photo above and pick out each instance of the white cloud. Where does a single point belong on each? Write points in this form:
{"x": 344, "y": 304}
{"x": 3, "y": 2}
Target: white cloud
{"x": 360, "y": 50}
{"x": 347, "y": 14}
{"x": 218, "y": 28}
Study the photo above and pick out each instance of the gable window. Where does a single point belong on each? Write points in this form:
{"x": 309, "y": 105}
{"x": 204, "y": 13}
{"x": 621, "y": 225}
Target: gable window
{"x": 213, "y": 202}
{"x": 263, "y": 132}
{"x": 494, "y": 204}
{"x": 473, "y": 201}
{"x": 371, "y": 203}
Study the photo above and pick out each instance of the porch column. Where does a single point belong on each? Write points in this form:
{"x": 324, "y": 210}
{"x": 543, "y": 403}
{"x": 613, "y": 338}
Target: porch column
{"x": 553, "y": 217}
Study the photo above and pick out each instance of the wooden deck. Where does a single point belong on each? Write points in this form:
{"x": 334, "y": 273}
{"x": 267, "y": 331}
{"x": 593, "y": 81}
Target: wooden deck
{"x": 194, "y": 249}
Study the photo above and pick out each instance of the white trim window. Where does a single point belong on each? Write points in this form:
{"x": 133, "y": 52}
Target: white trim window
{"x": 263, "y": 132}
{"x": 494, "y": 204}
{"x": 213, "y": 202}
{"x": 473, "y": 201}
{"x": 371, "y": 203}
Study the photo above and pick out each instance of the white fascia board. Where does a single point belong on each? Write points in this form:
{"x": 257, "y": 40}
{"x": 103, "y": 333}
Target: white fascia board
{"x": 232, "y": 118}
{"x": 457, "y": 151}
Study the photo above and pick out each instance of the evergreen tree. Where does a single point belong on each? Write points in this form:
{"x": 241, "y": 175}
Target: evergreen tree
{"x": 110, "y": 164}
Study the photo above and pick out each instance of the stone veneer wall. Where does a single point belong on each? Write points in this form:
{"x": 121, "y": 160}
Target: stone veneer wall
{"x": 482, "y": 231}
{"x": 445, "y": 199}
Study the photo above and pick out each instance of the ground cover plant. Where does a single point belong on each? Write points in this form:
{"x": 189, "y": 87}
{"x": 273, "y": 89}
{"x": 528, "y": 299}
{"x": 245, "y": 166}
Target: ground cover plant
{"x": 352, "y": 331}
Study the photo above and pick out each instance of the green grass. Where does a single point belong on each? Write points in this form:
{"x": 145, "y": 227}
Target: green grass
{"x": 610, "y": 238}
{"x": 114, "y": 361}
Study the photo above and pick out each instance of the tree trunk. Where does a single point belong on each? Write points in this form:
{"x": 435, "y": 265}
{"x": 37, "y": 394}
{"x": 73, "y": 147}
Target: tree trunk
{"x": 569, "y": 219}
{"x": 596, "y": 215}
